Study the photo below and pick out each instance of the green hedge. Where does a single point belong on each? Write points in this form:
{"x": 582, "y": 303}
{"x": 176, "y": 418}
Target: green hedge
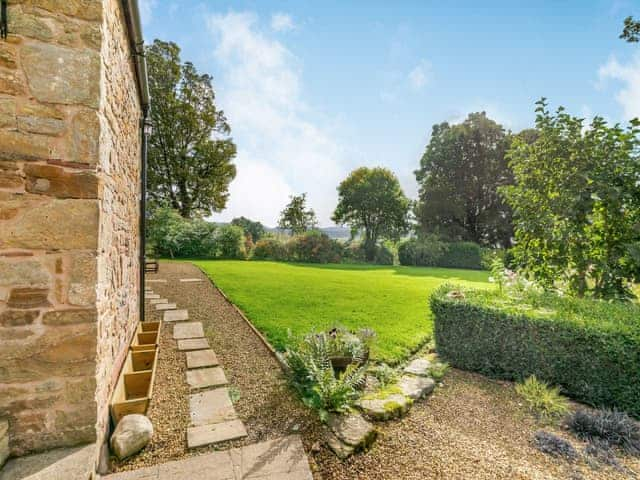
{"x": 431, "y": 252}
{"x": 590, "y": 349}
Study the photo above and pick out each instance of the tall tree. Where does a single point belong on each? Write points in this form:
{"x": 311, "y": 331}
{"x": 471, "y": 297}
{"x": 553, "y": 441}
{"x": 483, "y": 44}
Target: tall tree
{"x": 459, "y": 176}
{"x": 576, "y": 204}
{"x": 296, "y": 216}
{"x": 250, "y": 228}
{"x": 190, "y": 151}
{"x": 631, "y": 30}
{"x": 372, "y": 199}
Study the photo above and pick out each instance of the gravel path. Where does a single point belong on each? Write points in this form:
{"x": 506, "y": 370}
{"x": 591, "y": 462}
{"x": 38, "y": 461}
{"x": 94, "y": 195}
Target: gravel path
{"x": 470, "y": 428}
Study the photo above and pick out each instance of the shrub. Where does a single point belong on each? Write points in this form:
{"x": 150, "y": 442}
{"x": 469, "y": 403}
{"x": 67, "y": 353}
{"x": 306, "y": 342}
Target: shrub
{"x": 601, "y": 452}
{"x": 432, "y": 252}
{"x": 171, "y": 235}
{"x": 230, "y": 242}
{"x": 543, "y": 400}
{"x": 385, "y": 374}
{"x": 555, "y": 446}
{"x": 270, "y": 249}
{"x": 437, "y": 371}
{"x": 353, "y": 252}
{"x": 591, "y": 349}
{"x": 384, "y": 255}
{"x": 314, "y": 247}
{"x": 612, "y": 426}
{"x": 462, "y": 255}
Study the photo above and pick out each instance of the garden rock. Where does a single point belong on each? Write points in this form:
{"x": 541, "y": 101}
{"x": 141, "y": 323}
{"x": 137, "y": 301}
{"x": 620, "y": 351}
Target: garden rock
{"x": 341, "y": 449}
{"x": 131, "y": 435}
{"x": 352, "y": 429}
{"x": 419, "y": 366}
{"x": 416, "y": 387}
{"x": 391, "y": 406}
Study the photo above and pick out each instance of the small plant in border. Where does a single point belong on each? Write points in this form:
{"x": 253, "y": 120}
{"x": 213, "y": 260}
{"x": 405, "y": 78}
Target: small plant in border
{"x": 385, "y": 374}
{"x": 554, "y": 445}
{"x": 613, "y": 426}
{"x": 437, "y": 371}
{"x": 543, "y": 400}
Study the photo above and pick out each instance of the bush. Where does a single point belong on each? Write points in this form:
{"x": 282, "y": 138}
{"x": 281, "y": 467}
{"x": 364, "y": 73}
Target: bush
{"x": 541, "y": 399}
{"x": 432, "y": 252}
{"x": 314, "y": 247}
{"x": 353, "y": 252}
{"x": 230, "y": 242}
{"x": 171, "y": 235}
{"x": 611, "y": 426}
{"x": 270, "y": 249}
{"x": 591, "y": 349}
{"x": 385, "y": 374}
{"x": 384, "y": 255}
{"x": 555, "y": 446}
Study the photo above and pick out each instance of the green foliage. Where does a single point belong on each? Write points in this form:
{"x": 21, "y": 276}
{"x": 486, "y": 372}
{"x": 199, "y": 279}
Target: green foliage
{"x": 170, "y": 235}
{"x": 543, "y": 400}
{"x": 437, "y": 371}
{"x": 590, "y": 348}
{"x": 354, "y": 252}
{"x": 631, "y": 31}
{"x": 312, "y": 375}
{"x": 270, "y": 249}
{"x": 314, "y": 247}
{"x": 372, "y": 200}
{"x": 385, "y": 375}
{"x": 296, "y": 216}
{"x": 253, "y": 230}
{"x": 576, "y": 204}
{"x": 230, "y": 242}
{"x": 432, "y": 252}
{"x": 190, "y": 151}
{"x": 302, "y": 297}
{"x": 460, "y": 173}
{"x": 611, "y": 426}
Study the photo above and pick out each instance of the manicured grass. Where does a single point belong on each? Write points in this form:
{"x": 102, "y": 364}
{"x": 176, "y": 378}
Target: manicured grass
{"x": 278, "y": 297}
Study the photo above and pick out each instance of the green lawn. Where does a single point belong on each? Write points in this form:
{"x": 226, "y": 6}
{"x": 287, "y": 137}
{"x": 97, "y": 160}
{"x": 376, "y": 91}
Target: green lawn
{"x": 392, "y": 300}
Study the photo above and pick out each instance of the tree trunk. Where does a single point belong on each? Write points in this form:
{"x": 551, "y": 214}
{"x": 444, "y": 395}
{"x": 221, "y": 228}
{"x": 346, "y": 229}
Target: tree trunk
{"x": 369, "y": 247}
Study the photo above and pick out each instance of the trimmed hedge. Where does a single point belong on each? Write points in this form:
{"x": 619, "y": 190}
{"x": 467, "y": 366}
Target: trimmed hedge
{"x": 431, "y": 252}
{"x": 590, "y": 349}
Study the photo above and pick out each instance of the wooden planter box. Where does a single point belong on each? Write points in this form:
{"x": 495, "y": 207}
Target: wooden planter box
{"x": 147, "y": 336}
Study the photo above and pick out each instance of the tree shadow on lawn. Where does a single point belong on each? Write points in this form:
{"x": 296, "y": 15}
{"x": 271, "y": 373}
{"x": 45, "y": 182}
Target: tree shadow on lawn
{"x": 453, "y": 274}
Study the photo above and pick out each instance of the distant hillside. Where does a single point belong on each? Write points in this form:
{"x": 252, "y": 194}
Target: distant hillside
{"x": 340, "y": 233}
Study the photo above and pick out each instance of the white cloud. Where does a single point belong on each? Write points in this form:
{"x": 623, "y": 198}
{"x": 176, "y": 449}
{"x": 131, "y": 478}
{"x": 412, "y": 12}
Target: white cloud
{"x": 282, "y": 22}
{"x": 146, "y": 10}
{"x": 419, "y": 76}
{"x": 282, "y": 146}
{"x": 629, "y": 76}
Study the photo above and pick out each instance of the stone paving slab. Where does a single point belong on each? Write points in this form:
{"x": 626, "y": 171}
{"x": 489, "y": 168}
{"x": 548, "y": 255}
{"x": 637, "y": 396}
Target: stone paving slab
{"x": 416, "y": 387}
{"x": 156, "y": 301}
{"x": 190, "y": 280}
{"x": 206, "y": 377}
{"x": 151, "y": 296}
{"x": 201, "y": 358}
{"x": 193, "y": 344}
{"x": 58, "y": 464}
{"x": 188, "y": 330}
{"x": 176, "y": 315}
{"x": 419, "y": 366}
{"x": 279, "y": 459}
{"x": 155, "y": 280}
{"x": 212, "y": 406}
{"x": 215, "y": 433}
{"x": 166, "y": 306}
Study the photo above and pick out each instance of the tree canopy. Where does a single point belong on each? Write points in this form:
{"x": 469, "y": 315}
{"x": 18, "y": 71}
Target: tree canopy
{"x": 296, "y": 216}
{"x": 576, "y": 204}
{"x": 459, "y": 175}
{"x": 190, "y": 152}
{"x": 372, "y": 199}
{"x": 250, "y": 228}
{"x": 631, "y": 30}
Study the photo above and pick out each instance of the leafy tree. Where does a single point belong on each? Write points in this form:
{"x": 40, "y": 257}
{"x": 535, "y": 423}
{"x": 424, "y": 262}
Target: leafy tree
{"x": 253, "y": 229}
{"x": 296, "y": 217}
{"x": 372, "y": 199}
{"x": 631, "y": 31}
{"x": 576, "y": 204}
{"x": 230, "y": 242}
{"x": 459, "y": 175}
{"x": 190, "y": 152}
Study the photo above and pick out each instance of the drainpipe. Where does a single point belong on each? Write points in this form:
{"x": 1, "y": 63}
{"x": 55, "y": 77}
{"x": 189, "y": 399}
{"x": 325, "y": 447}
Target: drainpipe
{"x": 132, "y": 14}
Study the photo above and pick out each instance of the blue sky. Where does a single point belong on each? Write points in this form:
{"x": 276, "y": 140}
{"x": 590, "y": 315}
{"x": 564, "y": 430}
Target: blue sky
{"x": 313, "y": 89}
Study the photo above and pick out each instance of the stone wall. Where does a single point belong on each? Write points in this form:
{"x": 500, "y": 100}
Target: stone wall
{"x": 69, "y": 155}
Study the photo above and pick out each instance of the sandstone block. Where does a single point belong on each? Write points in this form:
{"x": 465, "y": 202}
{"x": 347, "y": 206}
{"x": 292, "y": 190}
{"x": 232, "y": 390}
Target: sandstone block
{"x": 8, "y": 112}
{"x": 7, "y": 55}
{"x": 64, "y": 75}
{"x": 24, "y": 146}
{"x": 4, "y": 441}
{"x": 85, "y": 134}
{"x": 419, "y": 366}
{"x": 57, "y": 182}
{"x": 29, "y": 272}
{"x": 18, "y": 318}
{"x": 131, "y": 435}
{"x": 84, "y": 9}
{"x": 416, "y": 386}
{"x": 352, "y": 429}
{"x": 28, "y": 297}
{"x": 83, "y": 276}
{"x": 385, "y": 408}
{"x": 27, "y": 24}
{"x": 56, "y": 224}
{"x": 44, "y": 126}
{"x": 69, "y": 317}
{"x": 11, "y": 82}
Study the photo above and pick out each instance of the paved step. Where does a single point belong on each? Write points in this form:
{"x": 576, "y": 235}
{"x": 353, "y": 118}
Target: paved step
{"x": 206, "y": 377}
{"x": 201, "y": 358}
{"x": 151, "y": 296}
{"x": 166, "y": 306}
{"x": 176, "y": 315}
{"x": 157, "y": 301}
{"x": 188, "y": 330}
{"x": 58, "y": 464}
{"x": 215, "y": 433}
{"x": 190, "y": 280}
{"x": 211, "y": 406}
{"x": 193, "y": 344}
